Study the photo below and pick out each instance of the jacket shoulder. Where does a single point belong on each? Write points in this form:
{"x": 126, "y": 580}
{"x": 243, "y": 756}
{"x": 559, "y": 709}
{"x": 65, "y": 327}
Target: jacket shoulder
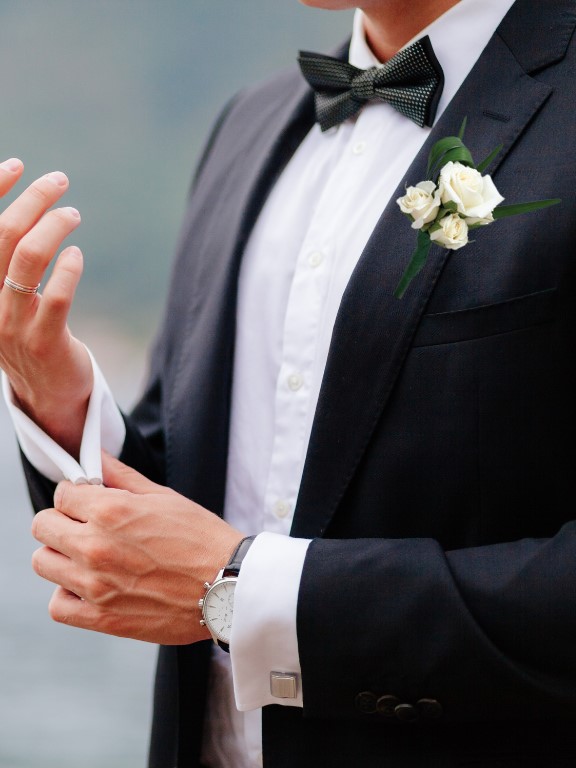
{"x": 267, "y": 106}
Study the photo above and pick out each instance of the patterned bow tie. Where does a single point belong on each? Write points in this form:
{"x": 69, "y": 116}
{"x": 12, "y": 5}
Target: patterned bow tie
{"x": 411, "y": 81}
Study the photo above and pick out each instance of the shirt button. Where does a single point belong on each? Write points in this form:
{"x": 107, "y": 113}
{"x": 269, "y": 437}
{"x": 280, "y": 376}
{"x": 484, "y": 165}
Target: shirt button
{"x": 295, "y": 381}
{"x": 358, "y": 148}
{"x": 315, "y": 259}
{"x": 281, "y": 509}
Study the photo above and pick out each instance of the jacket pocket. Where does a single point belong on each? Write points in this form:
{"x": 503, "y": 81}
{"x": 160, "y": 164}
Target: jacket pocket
{"x": 488, "y": 319}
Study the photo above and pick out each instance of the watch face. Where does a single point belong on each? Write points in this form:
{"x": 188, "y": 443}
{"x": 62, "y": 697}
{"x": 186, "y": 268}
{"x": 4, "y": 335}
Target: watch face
{"x": 218, "y": 608}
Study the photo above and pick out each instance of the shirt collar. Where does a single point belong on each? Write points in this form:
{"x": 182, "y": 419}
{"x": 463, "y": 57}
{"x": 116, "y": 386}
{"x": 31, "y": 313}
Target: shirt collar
{"x": 458, "y": 36}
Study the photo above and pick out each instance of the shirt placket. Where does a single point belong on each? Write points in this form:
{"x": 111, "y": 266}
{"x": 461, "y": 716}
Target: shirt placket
{"x": 297, "y": 387}
{"x": 294, "y": 383}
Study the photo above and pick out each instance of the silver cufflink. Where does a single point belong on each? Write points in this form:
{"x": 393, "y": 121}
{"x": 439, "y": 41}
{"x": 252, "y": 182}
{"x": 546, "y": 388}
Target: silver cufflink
{"x": 283, "y": 685}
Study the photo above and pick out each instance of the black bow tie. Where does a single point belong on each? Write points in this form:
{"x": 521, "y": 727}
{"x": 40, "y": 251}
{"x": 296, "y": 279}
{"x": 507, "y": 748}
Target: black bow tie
{"x": 411, "y": 81}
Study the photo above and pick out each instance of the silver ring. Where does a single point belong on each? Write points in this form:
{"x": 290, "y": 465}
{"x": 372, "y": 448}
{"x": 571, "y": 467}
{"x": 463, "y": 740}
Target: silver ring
{"x": 30, "y": 290}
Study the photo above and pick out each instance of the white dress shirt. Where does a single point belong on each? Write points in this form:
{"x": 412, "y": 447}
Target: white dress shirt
{"x": 299, "y": 259}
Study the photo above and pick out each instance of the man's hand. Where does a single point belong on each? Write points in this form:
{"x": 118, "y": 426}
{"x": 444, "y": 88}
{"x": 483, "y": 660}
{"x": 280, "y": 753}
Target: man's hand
{"x": 50, "y": 370}
{"x": 131, "y": 558}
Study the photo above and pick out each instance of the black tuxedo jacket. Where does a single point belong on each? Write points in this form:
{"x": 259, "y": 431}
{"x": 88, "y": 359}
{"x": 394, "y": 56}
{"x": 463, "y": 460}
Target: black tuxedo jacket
{"x": 438, "y": 486}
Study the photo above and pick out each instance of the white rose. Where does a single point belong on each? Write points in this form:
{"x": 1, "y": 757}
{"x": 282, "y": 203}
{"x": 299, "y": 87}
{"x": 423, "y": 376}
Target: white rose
{"x": 471, "y": 221}
{"x": 475, "y": 195}
{"x": 453, "y": 232}
{"x": 421, "y": 202}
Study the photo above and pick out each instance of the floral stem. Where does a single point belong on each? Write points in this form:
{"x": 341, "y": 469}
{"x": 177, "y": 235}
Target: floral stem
{"x": 416, "y": 263}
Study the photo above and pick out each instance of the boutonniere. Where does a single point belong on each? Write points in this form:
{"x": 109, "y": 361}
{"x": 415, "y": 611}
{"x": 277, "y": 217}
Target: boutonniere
{"x": 454, "y": 200}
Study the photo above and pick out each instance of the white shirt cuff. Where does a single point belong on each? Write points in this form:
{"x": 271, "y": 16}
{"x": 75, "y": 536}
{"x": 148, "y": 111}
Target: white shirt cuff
{"x": 104, "y": 428}
{"x": 264, "y": 638}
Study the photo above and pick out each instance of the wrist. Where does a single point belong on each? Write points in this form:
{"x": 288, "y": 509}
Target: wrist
{"x": 217, "y": 605}
{"x": 62, "y": 417}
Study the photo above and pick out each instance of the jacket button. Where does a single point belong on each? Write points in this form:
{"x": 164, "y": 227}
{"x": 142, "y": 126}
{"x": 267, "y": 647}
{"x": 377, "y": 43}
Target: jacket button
{"x": 386, "y": 705}
{"x": 430, "y": 709}
{"x": 366, "y": 702}
{"x": 406, "y": 713}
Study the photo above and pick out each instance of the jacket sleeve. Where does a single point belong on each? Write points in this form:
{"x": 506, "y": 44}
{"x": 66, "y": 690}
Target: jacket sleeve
{"x": 474, "y": 634}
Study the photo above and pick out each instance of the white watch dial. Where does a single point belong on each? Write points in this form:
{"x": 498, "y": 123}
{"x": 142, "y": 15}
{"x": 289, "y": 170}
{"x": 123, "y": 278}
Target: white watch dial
{"x": 218, "y": 608}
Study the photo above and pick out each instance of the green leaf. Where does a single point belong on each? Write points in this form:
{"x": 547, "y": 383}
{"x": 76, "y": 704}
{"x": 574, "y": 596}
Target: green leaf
{"x": 449, "y": 149}
{"x": 416, "y": 263}
{"x": 481, "y": 167}
{"x": 513, "y": 210}
{"x": 462, "y": 130}
{"x": 439, "y": 149}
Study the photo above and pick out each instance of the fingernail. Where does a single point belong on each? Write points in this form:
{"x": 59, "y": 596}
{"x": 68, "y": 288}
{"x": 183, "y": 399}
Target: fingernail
{"x": 58, "y": 178}
{"x": 75, "y": 252}
{"x": 73, "y": 212}
{"x": 13, "y": 164}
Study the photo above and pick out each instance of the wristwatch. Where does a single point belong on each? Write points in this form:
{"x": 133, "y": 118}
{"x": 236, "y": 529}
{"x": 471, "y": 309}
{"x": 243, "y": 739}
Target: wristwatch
{"x": 217, "y": 605}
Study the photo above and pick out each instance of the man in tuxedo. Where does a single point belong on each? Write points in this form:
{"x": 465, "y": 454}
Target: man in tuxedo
{"x": 418, "y": 452}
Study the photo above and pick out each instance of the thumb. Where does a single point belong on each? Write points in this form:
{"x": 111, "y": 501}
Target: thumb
{"x": 115, "y": 474}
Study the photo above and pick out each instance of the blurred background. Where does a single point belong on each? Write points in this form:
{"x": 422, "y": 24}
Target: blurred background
{"x": 119, "y": 94}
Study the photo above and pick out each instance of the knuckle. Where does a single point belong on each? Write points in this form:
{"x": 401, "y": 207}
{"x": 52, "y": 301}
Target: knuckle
{"x": 95, "y": 553}
{"x": 58, "y": 300}
{"x": 92, "y": 590}
{"x": 39, "y": 191}
{"x": 8, "y": 329}
{"x": 112, "y": 511}
{"x": 36, "y": 348}
{"x": 10, "y": 232}
{"x": 30, "y": 251}
{"x": 111, "y": 623}
{"x": 97, "y": 592}
{"x": 72, "y": 268}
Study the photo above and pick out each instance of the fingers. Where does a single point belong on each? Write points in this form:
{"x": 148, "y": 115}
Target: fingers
{"x": 73, "y": 501}
{"x": 57, "y": 568}
{"x": 118, "y": 475}
{"x": 37, "y": 248}
{"x": 26, "y": 211}
{"x": 85, "y": 503}
{"x": 58, "y": 294}
{"x": 57, "y": 531}
{"x": 10, "y": 171}
{"x": 29, "y": 239}
{"x": 67, "y": 608}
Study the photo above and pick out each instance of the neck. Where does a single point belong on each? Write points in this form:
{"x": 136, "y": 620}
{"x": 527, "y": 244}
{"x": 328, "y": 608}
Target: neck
{"x": 389, "y": 26}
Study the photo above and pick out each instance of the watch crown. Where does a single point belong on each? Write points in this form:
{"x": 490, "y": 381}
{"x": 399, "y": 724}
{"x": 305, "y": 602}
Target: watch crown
{"x": 201, "y": 602}
{"x": 202, "y": 623}
{"x": 207, "y": 585}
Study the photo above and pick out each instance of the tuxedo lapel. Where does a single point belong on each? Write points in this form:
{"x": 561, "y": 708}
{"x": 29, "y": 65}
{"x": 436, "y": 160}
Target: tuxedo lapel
{"x": 374, "y": 330}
